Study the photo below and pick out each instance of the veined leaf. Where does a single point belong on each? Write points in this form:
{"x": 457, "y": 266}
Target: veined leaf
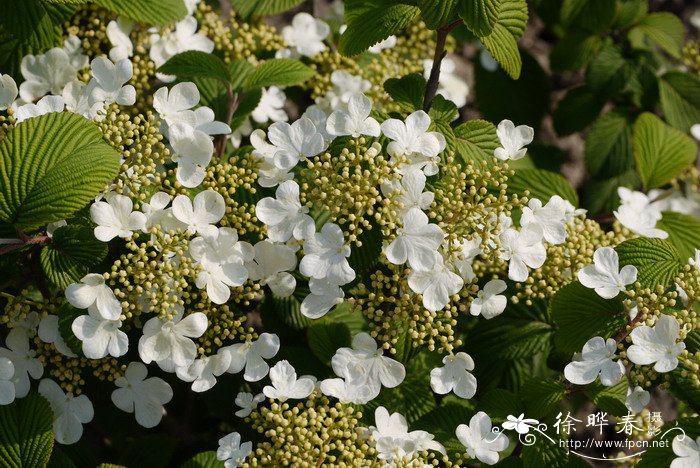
{"x": 407, "y": 91}
{"x": 203, "y": 460}
{"x": 437, "y": 13}
{"x": 683, "y": 232}
{"x": 664, "y": 29}
{"x": 326, "y": 338}
{"x": 660, "y": 152}
{"x": 680, "y": 99}
{"x": 480, "y": 16}
{"x": 155, "y": 12}
{"x": 26, "y": 435}
{"x": 609, "y": 145}
{"x": 609, "y": 399}
{"x": 542, "y": 185}
{"x": 590, "y": 15}
{"x": 578, "y": 109}
{"x": 657, "y": 260}
{"x": 71, "y": 254}
{"x": 50, "y": 167}
{"x": 370, "y": 23}
{"x": 194, "y": 63}
{"x": 542, "y": 396}
{"x": 279, "y": 72}
{"x": 502, "y": 42}
{"x": 66, "y": 315}
{"x": 247, "y": 8}
{"x": 580, "y": 313}
{"x": 476, "y": 140}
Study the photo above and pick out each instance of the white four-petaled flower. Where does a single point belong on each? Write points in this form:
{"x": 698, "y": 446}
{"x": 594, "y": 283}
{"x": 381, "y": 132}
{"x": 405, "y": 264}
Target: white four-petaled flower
{"x": 286, "y": 385}
{"x": 69, "y": 412}
{"x": 513, "y": 140}
{"x": 326, "y": 256}
{"x": 489, "y": 302}
{"x": 596, "y": 359}
{"x": 231, "y": 451}
{"x": 284, "y": 215}
{"x": 355, "y": 121}
{"x": 480, "y": 441}
{"x": 116, "y": 218}
{"x": 605, "y": 275}
{"x": 142, "y": 396}
{"x": 92, "y": 290}
{"x": 657, "y": 345}
{"x": 454, "y": 376}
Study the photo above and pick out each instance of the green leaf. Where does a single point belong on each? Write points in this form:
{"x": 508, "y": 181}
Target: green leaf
{"x": 499, "y": 404}
{"x": 657, "y": 261}
{"x": 684, "y": 383}
{"x": 370, "y": 23}
{"x": 363, "y": 259}
{"x": 443, "y": 110}
{"x": 542, "y": 396}
{"x": 437, "y": 13}
{"x": 442, "y": 422}
{"x": 664, "y": 29}
{"x": 413, "y": 398}
{"x": 246, "y": 106}
{"x": 279, "y": 72}
{"x": 480, "y": 16}
{"x": 580, "y": 313}
{"x": 660, "y": 152}
{"x": 153, "y": 12}
{"x": 630, "y": 12}
{"x": 575, "y": 50}
{"x": 590, "y": 15}
{"x": 662, "y": 454}
{"x": 577, "y": 110}
{"x": 476, "y": 140}
{"x": 326, "y": 338}
{"x": 607, "y": 71}
{"x": 26, "y": 435}
{"x": 285, "y": 310}
{"x": 609, "y": 399}
{"x": 247, "y": 8}
{"x": 502, "y": 42}
{"x": 71, "y": 254}
{"x": 683, "y": 232}
{"x": 66, "y": 315}
{"x": 600, "y": 195}
{"x": 194, "y": 63}
{"x": 407, "y": 91}
{"x": 542, "y": 185}
{"x": 680, "y": 99}
{"x": 50, "y": 167}
{"x": 203, "y": 460}
{"x": 609, "y": 145}
{"x": 239, "y": 71}
{"x": 510, "y": 338}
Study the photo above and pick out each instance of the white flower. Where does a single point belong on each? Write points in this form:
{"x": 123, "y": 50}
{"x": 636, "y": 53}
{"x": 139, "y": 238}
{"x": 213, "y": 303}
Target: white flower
{"x": 175, "y": 105}
{"x": 204, "y": 371}
{"x": 247, "y": 402}
{"x": 488, "y": 301}
{"x": 200, "y": 216}
{"x": 24, "y": 326}
{"x": 157, "y": 213}
{"x": 306, "y": 34}
{"x": 595, "y": 360}
{"x": 78, "y": 99}
{"x": 637, "y": 399}
{"x": 271, "y": 267}
{"x": 69, "y": 412}
{"x": 284, "y": 215}
{"x": 416, "y": 242}
{"x": 605, "y": 276}
{"x": 73, "y": 47}
{"x": 513, "y": 140}
{"x": 409, "y": 191}
{"x": 436, "y": 285}
{"x": 118, "y": 34}
{"x": 319, "y": 118}
{"x": 657, "y": 345}
{"x": 49, "y": 333}
{"x": 7, "y": 387}
{"x": 454, "y": 376}
{"x": 92, "y": 290}
{"x": 522, "y": 249}
{"x": 111, "y": 81}
{"x": 115, "y": 218}
{"x": 356, "y": 121}
{"x": 24, "y": 361}
{"x": 251, "y": 355}
{"x": 182, "y": 39}
{"x": 8, "y": 91}
{"x": 193, "y": 151}
{"x": 365, "y": 363}
{"x": 481, "y": 443}
{"x": 520, "y": 424}
{"x": 100, "y": 337}
{"x": 295, "y": 142}
{"x": 695, "y": 129}
{"x": 359, "y": 393}
{"x": 451, "y": 86}
{"x": 231, "y": 451}
{"x": 344, "y": 86}
{"x": 47, "y": 73}
{"x": 324, "y": 296}
{"x": 639, "y": 214}
{"x": 688, "y": 451}
{"x": 204, "y": 122}
{"x": 326, "y": 256}
{"x": 141, "y": 396}
{"x": 552, "y": 218}
{"x": 469, "y": 249}
{"x": 285, "y": 384}
{"x": 394, "y": 442}
{"x": 413, "y": 140}
{"x": 271, "y": 106}
{"x": 46, "y": 105}
{"x": 169, "y": 342}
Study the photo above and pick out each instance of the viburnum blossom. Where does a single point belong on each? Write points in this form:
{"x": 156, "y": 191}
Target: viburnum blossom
{"x": 657, "y": 345}
{"x": 169, "y": 342}
{"x": 175, "y": 105}
{"x": 394, "y": 442}
{"x": 596, "y": 359}
{"x": 355, "y": 121}
{"x": 204, "y": 371}
{"x": 306, "y": 34}
{"x": 45, "y": 105}
{"x": 489, "y": 302}
{"x": 8, "y": 91}
{"x": 69, "y": 412}
{"x": 100, "y": 337}
{"x": 23, "y": 360}
{"x": 513, "y": 140}
{"x": 295, "y": 142}
{"x": 413, "y": 140}
{"x": 116, "y": 218}
{"x": 251, "y": 355}
{"x": 183, "y": 38}
{"x": 454, "y": 376}
{"x": 111, "y": 82}
{"x": 416, "y": 242}
{"x": 284, "y": 215}
{"x": 142, "y": 396}
{"x": 436, "y": 285}
{"x": 480, "y": 441}
{"x": 605, "y": 275}
{"x": 286, "y": 385}
{"x": 687, "y": 451}
{"x": 551, "y": 218}
{"x": 46, "y": 73}
{"x": 247, "y": 402}
{"x": 49, "y": 332}
{"x": 324, "y": 296}
{"x": 271, "y": 106}
{"x": 326, "y": 256}
{"x": 231, "y": 451}
{"x": 637, "y": 399}
{"x": 200, "y": 214}
{"x": 92, "y": 291}
{"x": 522, "y": 249}
{"x": 118, "y": 34}
{"x": 639, "y": 213}
{"x": 409, "y": 191}
{"x": 192, "y": 151}
{"x": 7, "y": 388}
{"x": 271, "y": 266}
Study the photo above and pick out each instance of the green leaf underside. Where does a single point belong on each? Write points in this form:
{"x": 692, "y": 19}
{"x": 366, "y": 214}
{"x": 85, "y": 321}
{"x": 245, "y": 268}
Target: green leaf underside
{"x": 247, "y": 8}
{"x": 194, "y": 63}
{"x": 154, "y": 12}
{"x": 480, "y": 16}
{"x": 502, "y": 41}
{"x": 370, "y": 23}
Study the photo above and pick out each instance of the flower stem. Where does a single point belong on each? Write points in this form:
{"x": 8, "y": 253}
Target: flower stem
{"x": 232, "y": 106}
{"x": 440, "y": 53}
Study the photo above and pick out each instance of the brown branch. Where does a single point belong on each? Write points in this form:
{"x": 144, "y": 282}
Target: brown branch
{"x": 37, "y": 240}
{"x": 233, "y": 102}
{"x": 440, "y": 53}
